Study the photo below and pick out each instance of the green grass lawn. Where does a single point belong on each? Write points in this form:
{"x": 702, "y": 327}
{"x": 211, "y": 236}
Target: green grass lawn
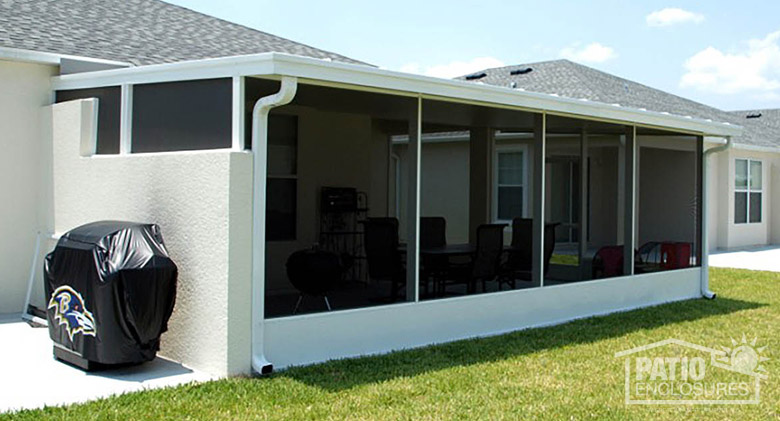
{"x": 562, "y": 372}
{"x": 565, "y": 259}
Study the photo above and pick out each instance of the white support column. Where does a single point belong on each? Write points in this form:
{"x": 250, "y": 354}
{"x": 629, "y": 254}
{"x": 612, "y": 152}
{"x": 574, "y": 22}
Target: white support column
{"x": 413, "y": 206}
{"x": 629, "y": 206}
{"x": 126, "y": 120}
{"x": 583, "y": 225}
{"x": 481, "y": 141}
{"x": 239, "y": 113}
{"x": 700, "y": 205}
{"x": 540, "y": 153}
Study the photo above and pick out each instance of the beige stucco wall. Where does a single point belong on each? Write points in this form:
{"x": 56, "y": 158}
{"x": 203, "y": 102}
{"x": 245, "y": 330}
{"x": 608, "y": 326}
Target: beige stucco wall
{"x": 24, "y": 91}
{"x": 202, "y": 202}
{"x": 731, "y": 235}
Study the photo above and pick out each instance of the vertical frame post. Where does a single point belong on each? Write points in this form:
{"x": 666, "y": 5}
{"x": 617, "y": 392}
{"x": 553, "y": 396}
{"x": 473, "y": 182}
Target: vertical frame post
{"x": 584, "y": 171}
{"x": 126, "y": 120}
{"x": 413, "y": 206}
{"x": 700, "y": 205}
{"x": 629, "y": 206}
{"x": 540, "y": 155}
{"x": 239, "y": 113}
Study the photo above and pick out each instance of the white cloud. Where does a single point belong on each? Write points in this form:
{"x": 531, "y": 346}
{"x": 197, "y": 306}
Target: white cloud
{"x": 673, "y": 16}
{"x": 591, "y": 53}
{"x": 755, "y": 70}
{"x": 453, "y": 69}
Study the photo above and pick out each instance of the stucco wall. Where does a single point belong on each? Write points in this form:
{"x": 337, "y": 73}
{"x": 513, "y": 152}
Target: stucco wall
{"x": 202, "y": 202}
{"x": 24, "y": 91}
{"x": 444, "y": 186}
{"x": 754, "y": 234}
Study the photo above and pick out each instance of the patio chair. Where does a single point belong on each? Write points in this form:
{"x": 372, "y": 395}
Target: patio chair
{"x": 675, "y": 255}
{"x": 608, "y": 262}
{"x": 484, "y": 265}
{"x": 382, "y": 255}
{"x": 314, "y": 273}
{"x": 433, "y": 234}
{"x": 519, "y": 262}
{"x": 650, "y": 253}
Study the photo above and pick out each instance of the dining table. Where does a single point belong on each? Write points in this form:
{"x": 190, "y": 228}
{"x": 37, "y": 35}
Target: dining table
{"x": 449, "y": 250}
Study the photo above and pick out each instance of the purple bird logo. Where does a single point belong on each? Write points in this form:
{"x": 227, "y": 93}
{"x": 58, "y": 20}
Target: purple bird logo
{"x": 69, "y": 310}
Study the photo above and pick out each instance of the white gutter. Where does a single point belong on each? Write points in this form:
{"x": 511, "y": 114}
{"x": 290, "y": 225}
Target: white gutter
{"x": 260, "y": 112}
{"x": 705, "y": 247}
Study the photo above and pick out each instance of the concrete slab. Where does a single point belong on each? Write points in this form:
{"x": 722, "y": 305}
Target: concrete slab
{"x": 31, "y": 378}
{"x": 755, "y": 258}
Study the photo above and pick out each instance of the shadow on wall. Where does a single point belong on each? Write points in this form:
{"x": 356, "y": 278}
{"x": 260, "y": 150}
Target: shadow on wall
{"x": 345, "y": 374}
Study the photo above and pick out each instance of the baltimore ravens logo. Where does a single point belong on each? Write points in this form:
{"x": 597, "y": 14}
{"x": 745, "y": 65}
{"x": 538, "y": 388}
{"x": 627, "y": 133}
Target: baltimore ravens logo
{"x": 69, "y": 310}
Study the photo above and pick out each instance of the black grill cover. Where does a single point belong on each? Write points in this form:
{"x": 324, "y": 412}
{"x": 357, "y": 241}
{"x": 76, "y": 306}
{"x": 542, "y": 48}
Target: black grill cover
{"x": 110, "y": 289}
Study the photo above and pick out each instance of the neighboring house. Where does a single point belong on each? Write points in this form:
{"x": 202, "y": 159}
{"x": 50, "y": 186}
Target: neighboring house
{"x": 226, "y": 138}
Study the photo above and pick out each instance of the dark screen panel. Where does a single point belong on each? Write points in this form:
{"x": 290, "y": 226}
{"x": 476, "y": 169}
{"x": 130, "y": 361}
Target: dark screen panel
{"x": 180, "y": 116}
{"x": 281, "y": 205}
{"x": 109, "y": 103}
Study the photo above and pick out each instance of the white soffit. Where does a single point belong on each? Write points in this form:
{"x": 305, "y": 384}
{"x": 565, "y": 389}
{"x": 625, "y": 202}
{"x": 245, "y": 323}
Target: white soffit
{"x": 369, "y": 78}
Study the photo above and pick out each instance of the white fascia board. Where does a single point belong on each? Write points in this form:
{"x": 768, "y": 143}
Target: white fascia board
{"x": 316, "y": 70}
{"x": 251, "y": 65}
{"x": 40, "y": 57}
{"x": 756, "y": 148}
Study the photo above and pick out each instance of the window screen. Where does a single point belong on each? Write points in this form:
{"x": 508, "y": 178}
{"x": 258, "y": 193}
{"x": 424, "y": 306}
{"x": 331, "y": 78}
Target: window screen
{"x": 180, "y": 116}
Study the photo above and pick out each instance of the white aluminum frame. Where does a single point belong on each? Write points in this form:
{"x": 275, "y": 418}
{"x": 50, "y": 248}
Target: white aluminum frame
{"x": 748, "y": 189}
{"x": 298, "y": 339}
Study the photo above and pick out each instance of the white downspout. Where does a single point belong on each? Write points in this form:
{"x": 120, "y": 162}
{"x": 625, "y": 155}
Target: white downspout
{"x": 260, "y": 112}
{"x": 705, "y": 246}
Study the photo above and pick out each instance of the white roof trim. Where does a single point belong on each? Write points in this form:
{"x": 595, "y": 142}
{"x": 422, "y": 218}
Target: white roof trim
{"x": 40, "y": 57}
{"x": 756, "y": 148}
{"x": 278, "y": 64}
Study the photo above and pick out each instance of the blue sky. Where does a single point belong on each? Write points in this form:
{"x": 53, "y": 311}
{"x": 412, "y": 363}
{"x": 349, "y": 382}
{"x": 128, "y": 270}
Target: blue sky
{"x": 722, "y": 53}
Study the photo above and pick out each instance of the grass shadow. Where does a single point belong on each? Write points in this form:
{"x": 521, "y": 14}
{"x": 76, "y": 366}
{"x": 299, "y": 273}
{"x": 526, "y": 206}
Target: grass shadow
{"x": 344, "y": 374}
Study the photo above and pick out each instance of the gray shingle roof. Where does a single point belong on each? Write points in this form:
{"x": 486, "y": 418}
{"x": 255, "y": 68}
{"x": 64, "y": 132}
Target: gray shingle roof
{"x": 135, "y": 31}
{"x": 572, "y": 80}
{"x": 757, "y": 129}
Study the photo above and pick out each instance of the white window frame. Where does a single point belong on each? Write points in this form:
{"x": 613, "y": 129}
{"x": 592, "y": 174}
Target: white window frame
{"x": 497, "y": 150}
{"x": 748, "y": 190}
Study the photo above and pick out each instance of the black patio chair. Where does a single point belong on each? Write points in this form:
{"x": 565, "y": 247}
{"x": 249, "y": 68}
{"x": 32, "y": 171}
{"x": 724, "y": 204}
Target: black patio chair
{"x": 519, "y": 261}
{"x": 314, "y": 273}
{"x": 484, "y": 264}
{"x": 433, "y": 234}
{"x": 382, "y": 255}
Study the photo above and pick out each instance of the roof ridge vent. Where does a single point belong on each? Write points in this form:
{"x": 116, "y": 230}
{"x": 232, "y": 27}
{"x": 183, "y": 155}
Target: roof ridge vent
{"x": 521, "y": 71}
{"x": 475, "y": 76}
{"x": 754, "y": 115}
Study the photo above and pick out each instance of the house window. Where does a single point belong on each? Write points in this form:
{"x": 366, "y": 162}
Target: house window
{"x": 509, "y": 192}
{"x": 747, "y": 191}
{"x": 282, "y": 187}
